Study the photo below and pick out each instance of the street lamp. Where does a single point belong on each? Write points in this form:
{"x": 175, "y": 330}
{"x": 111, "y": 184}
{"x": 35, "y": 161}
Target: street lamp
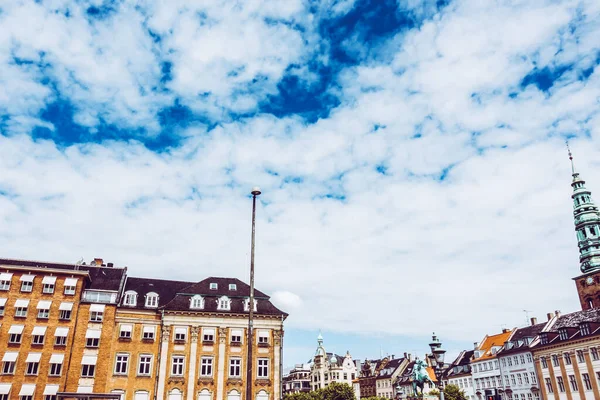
{"x": 436, "y": 359}
{"x": 255, "y": 192}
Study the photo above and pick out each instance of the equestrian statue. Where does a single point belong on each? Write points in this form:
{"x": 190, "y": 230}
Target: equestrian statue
{"x": 420, "y": 376}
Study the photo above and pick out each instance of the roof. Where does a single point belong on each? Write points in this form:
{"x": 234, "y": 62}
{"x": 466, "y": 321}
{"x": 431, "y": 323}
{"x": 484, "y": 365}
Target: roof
{"x": 101, "y": 277}
{"x": 519, "y": 335}
{"x": 165, "y": 289}
{"x": 573, "y": 319}
{"x": 571, "y": 323}
{"x": 388, "y": 370}
{"x": 488, "y": 343}
{"x": 339, "y": 359}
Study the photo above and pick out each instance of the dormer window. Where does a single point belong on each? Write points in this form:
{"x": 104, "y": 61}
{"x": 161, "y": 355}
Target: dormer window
{"x": 223, "y": 303}
{"x": 247, "y": 302}
{"x": 197, "y": 302}
{"x": 130, "y": 298}
{"x": 232, "y": 286}
{"x": 563, "y": 334}
{"x": 214, "y": 286}
{"x": 544, "y": 338}
{"x": 151, "y": 300}
{"x": 584, "y": 329}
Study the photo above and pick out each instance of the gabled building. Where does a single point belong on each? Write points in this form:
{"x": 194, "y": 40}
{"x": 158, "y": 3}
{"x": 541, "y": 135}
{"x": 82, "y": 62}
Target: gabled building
{"x": 387, "y": 375}
{"x": 330, "y": 367}
{"x": 459, "y": 373}
{"x": 485, "y": 367}
{"x": 519, "y": 377}
{"x": 368, "y": 376}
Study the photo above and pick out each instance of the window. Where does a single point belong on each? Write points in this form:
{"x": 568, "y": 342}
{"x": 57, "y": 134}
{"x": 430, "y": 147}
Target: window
{"x": 584, "y": 329}
{"x": 60, "y": 336}
{"x": 247, "y": 302}
{"x": 206, "y": 366}
{"x": 533, "y": 379}
{"x": 21, "y": 308}
{"x": 587, "y": 382}
{"x": 70, "y": 286}
{"x": 26, "y": 283}
{"x": 234, "y": 395}
{"x": 509, "y": 360}
{"x": 92, "y": 338}
{"x": 544, "y": 362}
{"x": 145, "y": 364}
{"x": 197, "y": 302}
{"x": 580, "y": 357}
{"x": 5, "y": 279}
{"x": 214, "y": 286}
{"x": 516, "y": 360}
{"x": 96, "y": 316}
{"x": 236, "y": 336}
{"x": 125, "y": 331}
{"x": 151, "y": 300}
{"x": 50, "y": 392}
{"x": 88, "y": 366}
{"x": 121, "y": 364}
{"x": 27, "y": 391}
{"x": 223, "y": 303}
{"x": 15, "y": 334}
{"x": 38, "y": 333}
{"x": 567, "y": 357}
{"x": 263, "y": 337}
{"x": 263, "y": 368}
{"x": 177, "y": 363}
{"x": 32, "y": 363}
{"x": 555, "y": 360}
{"x": 180, "y": 334}
{"x": 130, "y": 298}
{"x": 522, "y": 358}
{"x": 520, "y": 379}
{"x": 594, "y": 352}
{"x": 65, "y": 311}
{"x": 141, "y": 395}
{"x": 2, "y": 305}
{"x": 573, "y": 383}
{"x": 563, "y": 334}
{"x": 8, "y": 362}
{"x": 56, "y": 361}
{"x": 148, "y": 332}
{"x": 561, "y": 384}
{"x": 504, "y": 362}
{"x": 526, "y": 378}
{"x": 529, "y": 358}
{"x": 235, "y": 365}
{"x": 208, "y": 335}
{"x": 513, "y": 380}
{"x": 232, "y": 286}
{"x": 544, "y": 338}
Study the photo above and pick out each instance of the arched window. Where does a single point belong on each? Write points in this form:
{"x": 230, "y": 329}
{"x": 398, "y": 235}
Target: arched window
{"x": 262, "y": 395}
{"x": 197, "y": 302}
{"x": 224, "y": 303}
{"x": 141, "y": 395}
{"x": 152, "y": 300}
{"x": 130, "y": 298}
{"x": 247, "y": 302}
{"x": 175, "y": 394}
{"x": 233, "y": 395}
{"x": 205, "y": 394}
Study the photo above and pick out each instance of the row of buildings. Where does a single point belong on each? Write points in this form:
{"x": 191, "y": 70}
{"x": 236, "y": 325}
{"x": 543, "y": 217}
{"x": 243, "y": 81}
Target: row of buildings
{"x": 77, "y": 328}
{"x": 555, "y": 359}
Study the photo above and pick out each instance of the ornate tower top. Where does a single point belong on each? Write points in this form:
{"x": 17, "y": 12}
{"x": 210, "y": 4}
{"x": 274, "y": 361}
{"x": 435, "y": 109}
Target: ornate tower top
{"x": 320, "y": 349}
{"x": 587, "y": 222}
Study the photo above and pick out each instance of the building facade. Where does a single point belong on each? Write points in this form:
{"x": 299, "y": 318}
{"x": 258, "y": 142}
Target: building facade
{"x": 297, "y": 380}
{"x": 404, "y": 382}
{"x": 93, "y": 329}
{"x": 384, "y": 382}
{"x": 484, "y": 363}
{"x": 330, "y": 367}
{"x": 459, "y": 373}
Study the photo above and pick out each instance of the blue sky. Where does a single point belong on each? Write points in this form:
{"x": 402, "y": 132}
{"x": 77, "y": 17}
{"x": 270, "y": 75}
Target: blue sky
{"x": 411, "y": 153}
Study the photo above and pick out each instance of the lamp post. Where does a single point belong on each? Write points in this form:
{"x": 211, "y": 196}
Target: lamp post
{"x": 249, "y": 362}
{"x": 436, "y": 358}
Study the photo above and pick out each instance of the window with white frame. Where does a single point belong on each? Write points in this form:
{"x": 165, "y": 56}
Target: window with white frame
{"x": 232, "y": 286}
{"x": 223, "y": 303}
{"x": 180, "y": 333}
{"x": 236, "y": 336}
{"x": 15, "y": 333}
{"x": 532, "y": 377}
{"x": 234, "y": 395}
{"x": 263, "y": 337}
{"x": 43, "y": 308}
{"x": 21, "y": 307}
{"x": 145, "y": 364}
{"x": 594, "y": 353}
{"x": 32, "y": 363}
{"x": 206, "y": 366}
{"x": 92, "y": 338}
{"x": 262, "y": 395}
{"x": 96, "y": 312}
{"x": 235, "y": 367}
{"x": 48, "y": 283}
{"x": 5, "y": 279}
{"x": 70, "y": 286}
{"x": 125, "y": 331}
{"x": 175, "y": 394}
{"x": 141, "y": 395}
{"x": 50, "y": 392}
{"x": 65, "y": 309}
{"x": 208, "y": 335}
{"x": 38, "y": 334}
{"x": 60, "y": 336}
{"x": 205, "y": 394}
{"x": 88, "y": 366}
{"x": 148, "y": 332}
{"x": 247, "y": 302}
{"x": 130, "y": 298}
{"x": 121, "y": 363}
{"x": 8, "y": 362}
{"x": 26, "y": 283}
{"x": 27, "y": 391}
{"x": 563, "y": 334}
{"x": 151, "y": 300}
{"x": 56, "y": 362}
{"x": 263, "y": 368}
{"x": 2, "y": 306}
{"x": 177, "y": 365}
{"x": 214, "y": 286}
{"x": 197, "y": 302}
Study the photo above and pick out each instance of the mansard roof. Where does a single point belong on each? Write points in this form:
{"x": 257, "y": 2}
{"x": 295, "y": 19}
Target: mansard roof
{"x": 531, "y": 331}
{"x": 100, "y": 277}
{"x": 165, "y": 289}
{"x": 572, "y": 323}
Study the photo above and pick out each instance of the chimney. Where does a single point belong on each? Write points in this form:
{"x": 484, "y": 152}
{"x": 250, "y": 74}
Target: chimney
{"x": 549, "y": 315}
{"x": 475, "y": 345}
{"x": 97, "y": 262}
{"x": 392, "y": 357}
{"x": 409, "y": 357}
{"x": 405, "y": 355}
{"x": 504, "y": 330}
{"x": 557, "y": 313}
{"x": 110, "y": 265}
{"x": 533, "y": 321}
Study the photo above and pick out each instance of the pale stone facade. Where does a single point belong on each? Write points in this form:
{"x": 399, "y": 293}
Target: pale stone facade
{"x": 329, "y": 367}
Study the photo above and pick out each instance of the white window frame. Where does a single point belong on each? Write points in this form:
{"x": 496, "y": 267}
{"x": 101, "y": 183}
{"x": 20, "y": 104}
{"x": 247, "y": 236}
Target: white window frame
{"x": 235, "y": 367}
{"x": 148, "y": 332}
{"x": 197, "y": 302}
{"x": 214, "y": 286}
{"x": 121, "y": 364}
{"x": 96, "y": 316}
{"x": 125, "y": 331}
{"x": 130, "y": 298}
{"x": 145, "y": 363}
{"x": 224, "y": 303}
{"x": 177, "y": 365}
{"x": 206, "y": 366}
{"x": 208, "y": 334}
{"x": 232, "y": 286}
{"x": 151, "y": 300}
{"x": 180, "y": 333}
{"x": 262, "y": 370}
{"x": 26, "y": 286}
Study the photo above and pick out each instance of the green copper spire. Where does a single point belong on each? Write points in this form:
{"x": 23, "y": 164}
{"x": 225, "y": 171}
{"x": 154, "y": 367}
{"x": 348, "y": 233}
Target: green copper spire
{"x": 587, "y": 223}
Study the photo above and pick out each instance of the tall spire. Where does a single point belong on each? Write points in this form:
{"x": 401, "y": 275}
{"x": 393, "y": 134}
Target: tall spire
{"x": 587, "y": 222}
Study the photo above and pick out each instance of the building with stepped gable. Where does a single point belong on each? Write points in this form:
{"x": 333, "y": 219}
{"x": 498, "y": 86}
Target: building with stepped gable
{"x": 93, "y": 329}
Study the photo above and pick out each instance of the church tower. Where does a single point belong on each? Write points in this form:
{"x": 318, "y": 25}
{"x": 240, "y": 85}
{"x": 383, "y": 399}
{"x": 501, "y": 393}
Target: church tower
{"x": 587, "y": 228}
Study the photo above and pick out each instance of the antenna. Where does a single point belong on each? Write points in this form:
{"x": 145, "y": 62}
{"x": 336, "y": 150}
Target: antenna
{"x": 526, "y": 316}
{"x": 570, "y": 157}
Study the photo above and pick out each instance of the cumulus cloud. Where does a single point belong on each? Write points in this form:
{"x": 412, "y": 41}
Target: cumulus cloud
{"x": 433, "y": 194}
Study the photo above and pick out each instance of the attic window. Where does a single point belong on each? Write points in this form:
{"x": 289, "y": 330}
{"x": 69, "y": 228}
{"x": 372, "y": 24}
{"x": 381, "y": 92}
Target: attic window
{"x": 232, "y": 286}
{"x": 544, "y": 338}
{"x": 563, "y": 334}
{"x": 130, "y": 298}
{"x": 224, "y": 303}
{"x": 197, "y": 302}
{"x": 214, "y": 286}
{"x": 152, "y": 300}
{"x": 584, "y": 329}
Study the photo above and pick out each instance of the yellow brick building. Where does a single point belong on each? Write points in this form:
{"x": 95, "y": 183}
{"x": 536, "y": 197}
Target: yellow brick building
{"x": 93, "y": 329}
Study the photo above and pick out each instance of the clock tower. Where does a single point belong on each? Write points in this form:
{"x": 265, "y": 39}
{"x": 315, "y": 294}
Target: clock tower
{"x": 587, "y": 228}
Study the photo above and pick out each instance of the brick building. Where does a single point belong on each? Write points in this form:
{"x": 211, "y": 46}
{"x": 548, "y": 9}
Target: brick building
{"x": 93, "y": 329}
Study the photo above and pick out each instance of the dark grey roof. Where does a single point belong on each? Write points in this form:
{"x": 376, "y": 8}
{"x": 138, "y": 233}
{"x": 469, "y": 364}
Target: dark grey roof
{"x": 165, "y": 289}
{"x": 571, "y": 323}
{"x": 575, "y": 318}
{"x": 388, "y": 370}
